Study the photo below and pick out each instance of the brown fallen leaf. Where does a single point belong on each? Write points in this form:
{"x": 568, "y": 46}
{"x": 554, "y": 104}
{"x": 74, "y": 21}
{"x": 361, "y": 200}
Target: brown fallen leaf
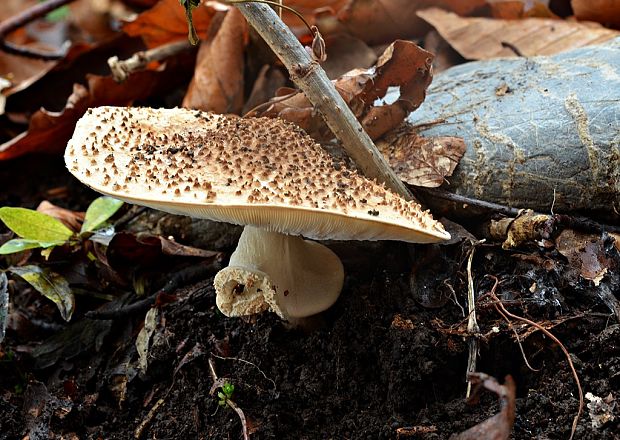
{"x": 445, "y": 55}
{"x": 606, "y": 12}
{"x": 129, "y": 249}
{"x": 484, "y": 38}
{"x": 383, "y": 21}
{"x": 141, "y": 3}
{"x": 17, "y": 70}
{"x": 500, "y": 425}
{"x": 218, "y": 78}
{"x": 20, "y": 72}
{"x": 344, "y": 53}
{"x": 71, "y": 219}
{"x": 517, "y": 9}
{"x": 52, "y": 89}
{"x": 421, "y": 161}
{"x": 48, "y": 132}
{"x": 402, "y": 66}
{"x": 312, "y": 11}
{"x": 405, "y": 66}
{"x": 585, "y": 252}
{"x": 165, "y": 22}
{"x": 96, "y": 18}
{"x": 268, "y": 81}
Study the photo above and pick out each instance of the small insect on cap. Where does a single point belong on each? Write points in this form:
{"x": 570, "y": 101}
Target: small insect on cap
{"x": 257, "y": 171}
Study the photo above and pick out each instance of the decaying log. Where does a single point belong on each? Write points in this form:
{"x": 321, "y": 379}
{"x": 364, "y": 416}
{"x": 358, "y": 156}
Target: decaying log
{"x": 536, "y": 129}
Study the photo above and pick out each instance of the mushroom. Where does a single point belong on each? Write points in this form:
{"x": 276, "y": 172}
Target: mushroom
{"x": 266, "y": 174}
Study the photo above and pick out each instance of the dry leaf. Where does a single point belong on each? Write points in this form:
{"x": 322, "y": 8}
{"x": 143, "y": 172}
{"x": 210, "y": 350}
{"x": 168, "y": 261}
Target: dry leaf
{"x": 485, "y": 38}
{"x": 445, "y": 55}
{"x": 585, "y": 252}
{"x": 268, "y": 81}
{"x": 344, "y": 53}
{"x": 49, "y": 132}
{"x": 166, "y": 22}
{"x": 314, "y": 11}
{"x": 500, "y": 425}
{"x": 18, "y": 70}
{"x": 383, "y": 21}
{"x": 218, "y": 78}
{"x": 404, "y": 69}
{"x": 421, "y": 161}
{"x": 606, "y": 12}
{"x": 517, "y": 9}
{"x": 71, "y": 219}
{"x": 126, "y": 248}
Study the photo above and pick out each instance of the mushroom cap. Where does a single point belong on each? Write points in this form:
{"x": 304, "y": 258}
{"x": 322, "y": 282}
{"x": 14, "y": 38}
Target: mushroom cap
{"x": 254, "y": 171}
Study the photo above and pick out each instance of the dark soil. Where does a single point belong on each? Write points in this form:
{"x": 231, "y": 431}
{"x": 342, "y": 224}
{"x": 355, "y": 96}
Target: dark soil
{"x": 379, "y": 360}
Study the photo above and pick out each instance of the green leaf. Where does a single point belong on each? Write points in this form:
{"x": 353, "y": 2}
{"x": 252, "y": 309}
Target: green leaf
{"x": 52, "y": 285}
{"x": 228, "y": 389}
{"x": 59, "y": 14}
{"x": 4, "y": 304}
{"x": 34, "y": 225}
{"x": 22, "y": 244}
{"x": 99, "y": 211}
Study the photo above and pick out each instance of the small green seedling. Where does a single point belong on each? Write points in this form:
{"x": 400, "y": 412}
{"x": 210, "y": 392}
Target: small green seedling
{"x": 226, "y": 394}
{"x": 38, "y": 230}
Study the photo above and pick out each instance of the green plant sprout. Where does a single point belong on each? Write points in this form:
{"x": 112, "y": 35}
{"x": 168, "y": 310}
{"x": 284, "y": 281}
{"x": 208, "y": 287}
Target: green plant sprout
{"x": 226, "y": 394}
{"x": 38, "y": 230}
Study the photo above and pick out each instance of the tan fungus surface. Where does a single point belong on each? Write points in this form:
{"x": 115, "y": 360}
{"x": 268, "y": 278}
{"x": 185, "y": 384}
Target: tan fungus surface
{"x": 258, "y": 171}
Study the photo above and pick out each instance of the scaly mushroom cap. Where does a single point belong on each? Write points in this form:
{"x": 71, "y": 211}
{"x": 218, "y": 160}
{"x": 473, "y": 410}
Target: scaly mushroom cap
{"x": 256, "y": 171}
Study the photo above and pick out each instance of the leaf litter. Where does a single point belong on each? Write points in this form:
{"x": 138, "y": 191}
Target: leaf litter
{"x": 396, "y": 357}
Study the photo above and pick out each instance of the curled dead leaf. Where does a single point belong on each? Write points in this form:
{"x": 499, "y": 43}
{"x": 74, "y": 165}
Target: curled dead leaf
{"x": 404, "y": 69}
{"x": 421, "y": 161}
{"x": 585, "y": 252}
{"x": 500, "y": 425}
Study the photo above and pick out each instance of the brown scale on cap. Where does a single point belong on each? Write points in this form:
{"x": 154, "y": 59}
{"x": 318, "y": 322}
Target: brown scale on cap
{"x": 259, "y": 171}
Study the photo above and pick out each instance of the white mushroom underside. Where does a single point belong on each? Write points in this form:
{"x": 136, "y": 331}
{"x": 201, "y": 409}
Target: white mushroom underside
{"x": 323, "y": 225}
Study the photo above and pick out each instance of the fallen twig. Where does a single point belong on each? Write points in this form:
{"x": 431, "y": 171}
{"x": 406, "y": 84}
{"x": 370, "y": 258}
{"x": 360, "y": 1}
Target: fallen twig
{"x": 149, "y": 416}
{"x": 139, "y": 60}
{"x": 472, "y": 323}
{"x": 553, "y": 338}
{"x": 19, "y": 20}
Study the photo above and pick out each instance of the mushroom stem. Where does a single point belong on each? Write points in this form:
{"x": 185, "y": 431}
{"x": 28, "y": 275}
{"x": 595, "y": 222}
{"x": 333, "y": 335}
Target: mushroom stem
{"x": 286, "y": 274}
